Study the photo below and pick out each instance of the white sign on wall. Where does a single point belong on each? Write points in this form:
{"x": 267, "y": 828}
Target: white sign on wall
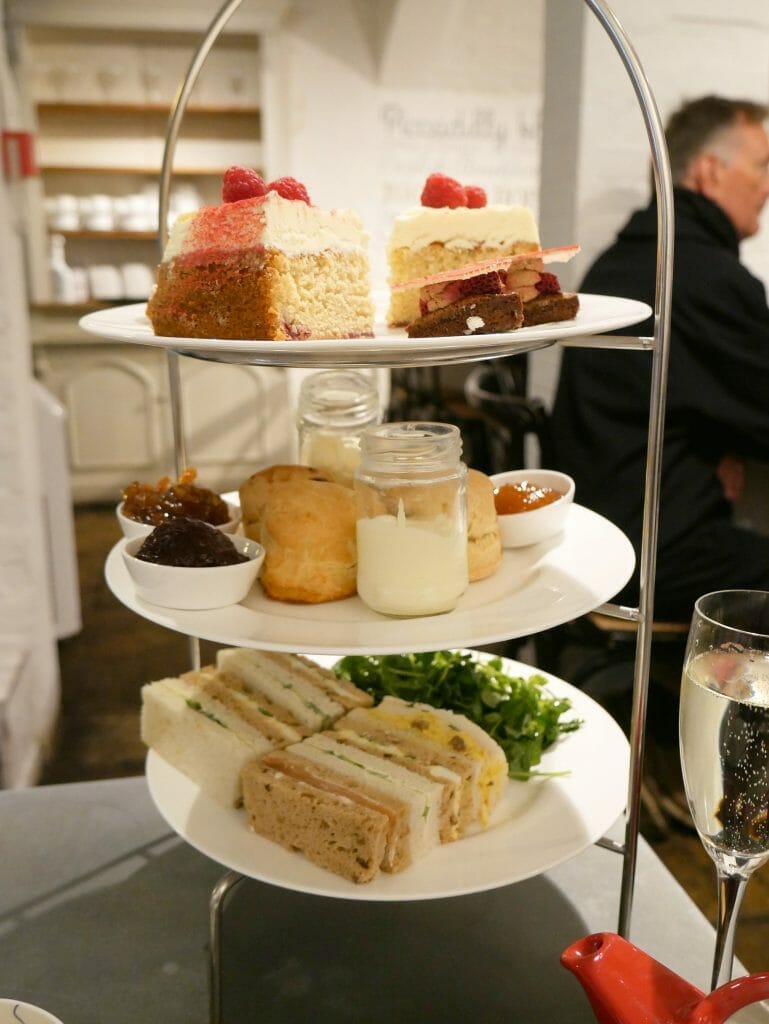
{"x": 479, "y": 139}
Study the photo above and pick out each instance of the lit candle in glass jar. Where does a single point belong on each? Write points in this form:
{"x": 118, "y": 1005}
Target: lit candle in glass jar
{"x": 412, "y": 519}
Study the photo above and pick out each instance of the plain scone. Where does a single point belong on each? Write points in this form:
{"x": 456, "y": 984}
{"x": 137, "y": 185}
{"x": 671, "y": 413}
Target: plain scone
{"x": 306, "y": 524}
{"x": 484, "y": 543}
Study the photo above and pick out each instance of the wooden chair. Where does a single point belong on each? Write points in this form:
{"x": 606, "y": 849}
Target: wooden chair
{"x": 597, "y": 654}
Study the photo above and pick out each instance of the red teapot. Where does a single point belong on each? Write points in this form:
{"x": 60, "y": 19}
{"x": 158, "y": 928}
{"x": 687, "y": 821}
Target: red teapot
{"x": 627, "y": 986}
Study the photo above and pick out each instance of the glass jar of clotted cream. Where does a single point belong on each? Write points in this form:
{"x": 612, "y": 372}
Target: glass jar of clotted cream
{"x": 411, "y": 489}
{"x": 335, "y": 406}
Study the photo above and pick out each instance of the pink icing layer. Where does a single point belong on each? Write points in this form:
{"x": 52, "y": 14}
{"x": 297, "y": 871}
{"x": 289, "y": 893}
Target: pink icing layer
{"x": 228, "y": 228}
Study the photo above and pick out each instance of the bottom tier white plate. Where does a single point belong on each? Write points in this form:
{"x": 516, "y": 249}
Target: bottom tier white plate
{"x": 537, "y": 825}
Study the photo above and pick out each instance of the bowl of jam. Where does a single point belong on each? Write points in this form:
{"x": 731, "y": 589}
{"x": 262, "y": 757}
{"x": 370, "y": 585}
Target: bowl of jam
{"x": 192, "y": 565}
{"x": 145, "y": 506}
{"x": 532, "y": 504}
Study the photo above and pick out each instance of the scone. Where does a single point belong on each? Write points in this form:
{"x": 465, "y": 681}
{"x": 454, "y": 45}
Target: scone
{"x": 255, "y": 492}
{"x": 306, "y": 524}
{"x": 308, "y": 534}
{"x": 484, "y": 544}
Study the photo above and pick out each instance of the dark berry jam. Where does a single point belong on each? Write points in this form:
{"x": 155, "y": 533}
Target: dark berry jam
{"x": 190, "y": 543}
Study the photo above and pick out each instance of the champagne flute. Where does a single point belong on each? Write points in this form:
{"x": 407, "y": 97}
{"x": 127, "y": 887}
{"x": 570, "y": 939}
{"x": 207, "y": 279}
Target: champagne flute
{"x": 724, "y": 738}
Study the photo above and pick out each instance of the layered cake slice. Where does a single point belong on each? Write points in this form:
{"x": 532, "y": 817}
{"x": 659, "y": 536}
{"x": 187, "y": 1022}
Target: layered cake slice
{"x": 264, "y": 265}
{"x": 492, "y": 297}
{"x": 454, "y": 226}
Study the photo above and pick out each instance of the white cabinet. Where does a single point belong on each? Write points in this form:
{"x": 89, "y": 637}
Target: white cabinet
{"x": 119, "y": 423}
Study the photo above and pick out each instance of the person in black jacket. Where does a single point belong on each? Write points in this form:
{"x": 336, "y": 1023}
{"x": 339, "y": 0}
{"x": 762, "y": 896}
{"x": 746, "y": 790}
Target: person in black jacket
{"x": 718, "y": 378}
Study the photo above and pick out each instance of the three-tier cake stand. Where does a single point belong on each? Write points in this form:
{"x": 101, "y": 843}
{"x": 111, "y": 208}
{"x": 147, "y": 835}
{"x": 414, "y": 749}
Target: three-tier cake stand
{"x": 495, "y": 616}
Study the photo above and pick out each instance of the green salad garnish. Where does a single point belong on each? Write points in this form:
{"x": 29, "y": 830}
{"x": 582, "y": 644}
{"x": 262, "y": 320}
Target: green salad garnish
{"x": 517, "y": 712}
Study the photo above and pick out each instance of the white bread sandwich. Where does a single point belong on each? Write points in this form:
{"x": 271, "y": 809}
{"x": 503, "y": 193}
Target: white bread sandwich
{"x": 297, "y": 666}
{"x": 288, "y": 684}
{"x": 203, "y": 734}
{"x": 457, "y": 733}
{"x": 459, "y": 772}
{"x": 209, "y": 723}
{"x": 449, "y": 781}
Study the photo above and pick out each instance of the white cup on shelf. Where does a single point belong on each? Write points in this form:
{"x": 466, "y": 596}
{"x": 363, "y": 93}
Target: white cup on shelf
{"x": 138, "y": 280}
{"x": 62, "y": 212}
{"x": 105, "y": 282}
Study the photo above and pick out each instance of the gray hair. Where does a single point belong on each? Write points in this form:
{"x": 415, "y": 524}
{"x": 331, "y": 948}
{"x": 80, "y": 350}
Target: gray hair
{"x": 706, "y": 124}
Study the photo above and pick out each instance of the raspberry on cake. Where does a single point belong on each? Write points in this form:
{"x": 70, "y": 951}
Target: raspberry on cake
{"x": 264, "y": 265}
{"x": 454, "y": 226}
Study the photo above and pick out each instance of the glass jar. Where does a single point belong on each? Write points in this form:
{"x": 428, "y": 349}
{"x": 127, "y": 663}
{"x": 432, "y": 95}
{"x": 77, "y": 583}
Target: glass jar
{"x": 335, "y": 406}
{"x": 411, "y": 489}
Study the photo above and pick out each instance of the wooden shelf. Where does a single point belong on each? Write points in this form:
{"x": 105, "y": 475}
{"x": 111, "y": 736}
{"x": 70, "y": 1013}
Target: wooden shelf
{"x": 110, "y": 109}
{"x": 154, "y": 172}
{"x": 123, "y": 236}
{"x": 74, "y": 309}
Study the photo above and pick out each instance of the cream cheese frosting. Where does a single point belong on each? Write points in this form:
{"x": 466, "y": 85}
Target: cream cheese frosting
{"x": 493, "y": 227}
{"x": 270, "y": 222}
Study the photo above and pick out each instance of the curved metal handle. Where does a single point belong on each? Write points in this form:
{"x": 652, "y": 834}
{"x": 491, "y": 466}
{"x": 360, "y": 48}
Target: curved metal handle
{"x": 172, "y": 133}
{"x": 647, "y": 563}
{"x": 665, "y": 243}
{"x": 179, "y": 107}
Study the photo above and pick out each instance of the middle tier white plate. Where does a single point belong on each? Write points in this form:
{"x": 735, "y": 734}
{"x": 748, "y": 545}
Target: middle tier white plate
{"x": 535, "y": 588}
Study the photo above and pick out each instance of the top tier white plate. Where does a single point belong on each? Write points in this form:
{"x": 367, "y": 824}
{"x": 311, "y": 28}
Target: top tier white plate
{"x": 389, "y": 347}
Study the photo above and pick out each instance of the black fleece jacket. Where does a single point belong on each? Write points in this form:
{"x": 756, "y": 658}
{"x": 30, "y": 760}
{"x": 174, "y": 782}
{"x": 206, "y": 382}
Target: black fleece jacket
{"x": 718, "y": 378}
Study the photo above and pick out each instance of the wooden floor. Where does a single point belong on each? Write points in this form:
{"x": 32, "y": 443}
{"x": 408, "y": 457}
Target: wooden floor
{"x": 104, "y": 666}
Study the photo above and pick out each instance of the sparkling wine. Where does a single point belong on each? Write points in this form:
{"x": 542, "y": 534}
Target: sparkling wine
{"x": 724, "y": 732}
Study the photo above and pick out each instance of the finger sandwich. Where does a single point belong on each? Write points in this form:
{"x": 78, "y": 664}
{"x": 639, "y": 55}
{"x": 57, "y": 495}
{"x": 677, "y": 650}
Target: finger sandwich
{"x": 287, "y": 684}
{"x": 458, "y": 733}
{"x": 413, "y": 774}
{"x": 209, "y": 723}
{"x": 457, "y": 773}
{"x": 204, "y": 734}
{"x": 410, "y": 802}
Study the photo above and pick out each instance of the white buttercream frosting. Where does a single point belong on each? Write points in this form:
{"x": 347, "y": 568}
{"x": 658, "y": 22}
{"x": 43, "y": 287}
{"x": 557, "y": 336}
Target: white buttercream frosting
{"x": 271, "y": 222}
{"x": 493, "y": 226}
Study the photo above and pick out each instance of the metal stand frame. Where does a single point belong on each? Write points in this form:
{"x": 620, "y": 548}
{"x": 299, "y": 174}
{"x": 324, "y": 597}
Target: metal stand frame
{"x": 659, "y": 347}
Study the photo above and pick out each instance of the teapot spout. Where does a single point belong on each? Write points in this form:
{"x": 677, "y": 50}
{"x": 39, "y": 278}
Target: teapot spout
{"x": 626, "y": 985}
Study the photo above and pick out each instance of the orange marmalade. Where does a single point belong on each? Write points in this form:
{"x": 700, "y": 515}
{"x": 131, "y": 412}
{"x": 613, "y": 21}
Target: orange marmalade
{"x": 523, "y": 497}
{"x": 155, "y": 504}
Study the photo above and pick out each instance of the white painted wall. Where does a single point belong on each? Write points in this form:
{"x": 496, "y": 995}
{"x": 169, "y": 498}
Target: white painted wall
{"x": 367, "y": 97}
{"x": 29, "y": 680}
